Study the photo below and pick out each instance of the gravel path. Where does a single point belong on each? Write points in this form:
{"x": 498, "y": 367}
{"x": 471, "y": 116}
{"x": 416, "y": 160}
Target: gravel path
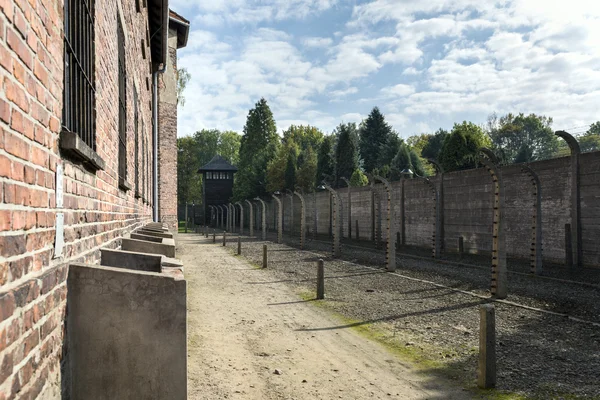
{"x": 251, "y": 337}
{"x": 540, "y": 355}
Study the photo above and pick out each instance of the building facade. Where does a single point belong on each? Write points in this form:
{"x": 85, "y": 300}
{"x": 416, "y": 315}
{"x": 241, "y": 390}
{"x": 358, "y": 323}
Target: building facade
{"x": 79, "y": 101}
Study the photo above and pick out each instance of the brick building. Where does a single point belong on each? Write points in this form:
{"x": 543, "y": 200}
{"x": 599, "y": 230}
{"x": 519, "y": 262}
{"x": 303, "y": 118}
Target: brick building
{"x": 82, "y": 84}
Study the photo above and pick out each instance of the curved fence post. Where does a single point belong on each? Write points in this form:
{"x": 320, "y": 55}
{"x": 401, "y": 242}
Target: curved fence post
{"x": 335, "y": 214}
{"x": 302, "y": 219}
{"x": 264, "y": 218}
{"x": 499, "y": 275}
{"x": 390, "y": 255}
{"x": 434, "y": 238}
{"x": 536, "y": 228}
{"x": 373, "y": 212}
{"x": 439, "y": 217}
{"x": 576, "y": 239}
{"x": 241, "y": 217}
{"x": 251, "y": 218}
{"x": 291, "y": 194}
{"x": 349, "y": 207}
{"x": 280, "y": 219}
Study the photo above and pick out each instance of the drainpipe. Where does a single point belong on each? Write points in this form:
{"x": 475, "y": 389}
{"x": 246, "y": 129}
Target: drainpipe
{"x": 155, "y": 140}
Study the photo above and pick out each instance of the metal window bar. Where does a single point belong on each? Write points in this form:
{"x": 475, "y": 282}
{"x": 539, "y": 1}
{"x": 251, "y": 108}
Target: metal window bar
{"x": 122, "y": 104}
{"x": 79, "y": 109}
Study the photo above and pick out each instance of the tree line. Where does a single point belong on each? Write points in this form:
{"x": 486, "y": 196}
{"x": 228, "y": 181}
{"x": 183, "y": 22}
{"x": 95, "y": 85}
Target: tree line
{"x": 304, "y": 156}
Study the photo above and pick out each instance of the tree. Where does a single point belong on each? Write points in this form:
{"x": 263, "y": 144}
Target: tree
{"x": 374, "y": 134}
{"x": 460, "y": 149}
{"x": 258, "y": 147}
{"x": 590, "y": 141}
{"x": 434, "y": 144}
{"x": 358, "y": 179}
{"x": 325, "y": 160}
{"x": 307, "y": 170}
{"x": 346, "y": 151}
{"x": 406, "y": 158}
{"x": 389, "y": 149}
{"x": 522, "y": 138}
{"x": 229, "y": 146}
{"x": 290, "y": 171}
{"x": 183, "y": 77}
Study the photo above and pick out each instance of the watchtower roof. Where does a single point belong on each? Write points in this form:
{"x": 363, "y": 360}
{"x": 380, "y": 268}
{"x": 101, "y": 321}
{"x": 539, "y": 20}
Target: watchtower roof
{"x": 218, "y": 163}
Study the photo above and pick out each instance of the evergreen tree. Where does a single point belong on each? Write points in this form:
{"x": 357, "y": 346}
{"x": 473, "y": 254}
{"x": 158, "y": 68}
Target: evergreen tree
{"x": 305, "y": 174}
{"x": 389, "y": 149}
{"x": 434, "y": 143}
{"x": 373, "y": 135}
{"x": 346, "y": 152}
{"x": 406, "y": 158}
{"x": 290, "y": 171}
{"x": 461, "y": 148}
{"x": 258, "y": 147}
{"x": 325, "y": 161}
{"x": 358, "y": 179}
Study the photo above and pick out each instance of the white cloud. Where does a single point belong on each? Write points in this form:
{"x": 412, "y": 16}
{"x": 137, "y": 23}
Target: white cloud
{"x": 317, "y": 42}
{"x": 399, "y": 90}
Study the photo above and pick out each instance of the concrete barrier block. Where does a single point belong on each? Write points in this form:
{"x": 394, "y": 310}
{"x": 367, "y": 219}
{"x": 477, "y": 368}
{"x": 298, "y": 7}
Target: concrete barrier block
{"x": 147, "y": 232}
{"x": 126, "y": 334}
{"x": 131, "y": 260}
{"x": 142, "y": 246}
{"x": 147, "y": 238}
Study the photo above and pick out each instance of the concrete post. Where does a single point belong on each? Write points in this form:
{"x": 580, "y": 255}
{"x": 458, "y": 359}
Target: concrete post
{"x": 280, "y": 219}
{"x": 498, "y": 287}
{"x": 264, "y": 218}
{"x": 302, "y": 220}
{"x": 334, "y": 214}
{"x": 372, "y": 184}
{"x": 291, "y": 194}
{"x": 486, "y": 373}
{"x": 435, "y": 248}
{"x": 241, "y": 217}
{"x": 186, "y": 217}
{"x": 320, "y": 280}
{"x": 576, "y": 239}
{"x": 402, "y": 213}
{"x": 224, "y": 238}
{"x": 568, "y": 246}
{"x": 265, "y": 256}
{"x": 251, "y": 219}
{"x": 239, "y": 245}
{"x": 390, "y": 254}
{"x": 349, "y": 207}
{"x": 536, "y": 223}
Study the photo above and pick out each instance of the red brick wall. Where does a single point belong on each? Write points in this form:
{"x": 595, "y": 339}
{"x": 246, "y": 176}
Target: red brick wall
{"x": 96, "y": 211}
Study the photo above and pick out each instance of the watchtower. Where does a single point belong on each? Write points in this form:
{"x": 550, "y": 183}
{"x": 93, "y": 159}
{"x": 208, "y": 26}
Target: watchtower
{"x": 217, "y": 184}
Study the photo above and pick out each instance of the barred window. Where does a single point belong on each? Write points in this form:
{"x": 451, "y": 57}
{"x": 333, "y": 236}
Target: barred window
{"x": 122, "y": 107}
{"x": 79, "y": 93}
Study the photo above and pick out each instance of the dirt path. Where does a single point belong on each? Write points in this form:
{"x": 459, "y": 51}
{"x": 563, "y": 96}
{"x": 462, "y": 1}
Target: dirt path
{"x": 251, "y": 337}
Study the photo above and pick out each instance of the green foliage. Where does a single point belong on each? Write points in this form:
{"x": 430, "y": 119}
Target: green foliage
{"x": 389, "y": 149}
{"x": 460, "y": 149}
{"x": 406, "y": 158}
{"x": 290, "y": 171}
{"x": 195, "y": 151}
{"x": 325, "y": 160}
{"x": 522, "y": 138}
{"x": 346, "y": 152}
{"x": 258, "y": 147}
{"x": 183, "y": 77}
{"x": 590, "y": 141}
{"x": 374, "y": 134}
{"x": 307, "y": 170}
{"x": 358, "y": 179}
{"x": 433, "y": 145}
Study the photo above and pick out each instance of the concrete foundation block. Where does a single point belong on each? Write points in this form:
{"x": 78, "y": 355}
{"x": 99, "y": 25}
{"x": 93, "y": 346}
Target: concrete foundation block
{"x": 148, "y": 232}
{"x": 166, "y": 248}
{"x": 147, "y": 238}
{"x": 126, "y": 334}
{"x": 131, "y": 260}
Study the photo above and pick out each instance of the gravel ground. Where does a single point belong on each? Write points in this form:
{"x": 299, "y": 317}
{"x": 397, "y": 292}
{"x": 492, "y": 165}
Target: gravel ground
{"x": 540, "y": 355}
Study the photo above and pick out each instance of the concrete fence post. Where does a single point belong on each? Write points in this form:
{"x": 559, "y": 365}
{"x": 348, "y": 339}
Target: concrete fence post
{"x": 576, "y": 233}
{"x": 264, "y": 218}
{"x": 241, "y": 232}
{"x": 265, "y": 257}
{"x": 251, "y": 219}
{"x": 498, "y": 286}
{"x": 302, "y": 220}
{"x": 279, "y": 219}
{"x": 349, "y": 207}
{"x": 390, "y": 254}
{"x": 239, "y": 246}
{"x": 320, "y": 280}
{"x": 486, "y": 372}
{"x": 536, "y": 223}
{"x": 335, "y": 214}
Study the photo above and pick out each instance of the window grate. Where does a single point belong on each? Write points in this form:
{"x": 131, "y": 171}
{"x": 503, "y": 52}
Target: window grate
{"x": 122, "y": 104}
{"x": 79, "y": 108}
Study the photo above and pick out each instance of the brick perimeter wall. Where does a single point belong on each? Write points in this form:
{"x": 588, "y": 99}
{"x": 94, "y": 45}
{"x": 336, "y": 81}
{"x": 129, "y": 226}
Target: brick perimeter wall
{"x": 96, "y": 211}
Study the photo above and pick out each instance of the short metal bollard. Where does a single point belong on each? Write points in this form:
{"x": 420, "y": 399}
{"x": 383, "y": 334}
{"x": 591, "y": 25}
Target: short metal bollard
{"x": 239, "y": 245}
{"x": 214, "y": 237}
{"x": 224, "y": 238}
{"x": 320, "y": 280}
{"x": 486, "y": 373}
{"x": 265, "y": 256}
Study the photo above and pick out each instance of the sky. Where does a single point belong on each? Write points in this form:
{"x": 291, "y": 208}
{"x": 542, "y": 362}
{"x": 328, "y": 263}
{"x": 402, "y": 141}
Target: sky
{"x": 425, "y": 63}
